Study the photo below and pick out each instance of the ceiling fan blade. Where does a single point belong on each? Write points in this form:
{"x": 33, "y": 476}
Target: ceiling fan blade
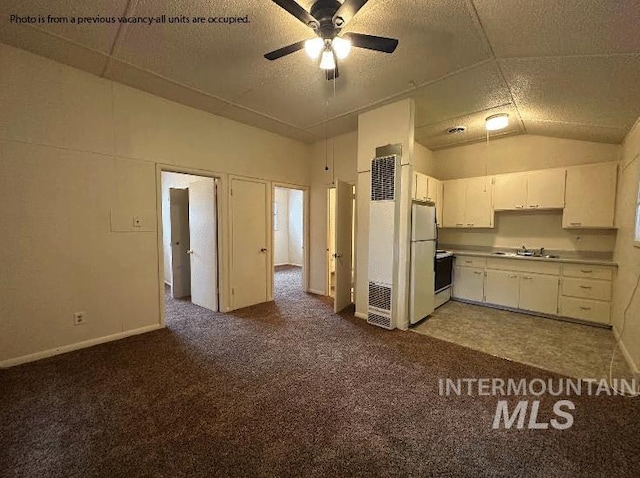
{"x": 347, "y": 11}
{"x": 371, "y": 42}
{"x": 284, "y": 51}
{"x": 297, "y": 11}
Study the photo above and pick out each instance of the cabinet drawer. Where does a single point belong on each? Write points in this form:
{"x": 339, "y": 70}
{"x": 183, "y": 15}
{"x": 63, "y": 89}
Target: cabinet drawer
{"x": 470, "y": 261}
{"x": 587, "y": 271}
{"x": 524, "y": 265}
{"x": 585, "y": 309}
{"x": 586, "y": 288}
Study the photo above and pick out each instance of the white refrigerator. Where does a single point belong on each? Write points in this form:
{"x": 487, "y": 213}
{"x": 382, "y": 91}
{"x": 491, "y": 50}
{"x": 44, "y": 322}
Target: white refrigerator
{"x": 424, "y": 234}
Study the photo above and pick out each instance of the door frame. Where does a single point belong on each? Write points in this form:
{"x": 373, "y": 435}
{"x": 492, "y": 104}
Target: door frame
{"x": 220, "y": 181}
{"x": 305, "y": 234}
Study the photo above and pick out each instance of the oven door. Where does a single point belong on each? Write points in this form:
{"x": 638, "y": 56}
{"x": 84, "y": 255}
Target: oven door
{"x": 444, "y": 269}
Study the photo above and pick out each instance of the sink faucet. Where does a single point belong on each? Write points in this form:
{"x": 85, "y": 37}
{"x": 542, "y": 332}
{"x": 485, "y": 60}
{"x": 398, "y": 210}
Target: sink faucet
{"x": 542, "y": 251}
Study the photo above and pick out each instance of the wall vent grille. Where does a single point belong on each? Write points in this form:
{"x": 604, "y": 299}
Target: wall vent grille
{"x": 379, "y": 320}
{"x": 383, "y": 172}
{"x": 379, "y": 296}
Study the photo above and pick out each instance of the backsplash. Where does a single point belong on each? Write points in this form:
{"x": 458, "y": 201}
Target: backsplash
{"x": 513, "y": 229}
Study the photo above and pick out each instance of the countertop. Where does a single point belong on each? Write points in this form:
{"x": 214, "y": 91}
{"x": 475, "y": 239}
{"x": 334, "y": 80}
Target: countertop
{"x": 569, "y": 260}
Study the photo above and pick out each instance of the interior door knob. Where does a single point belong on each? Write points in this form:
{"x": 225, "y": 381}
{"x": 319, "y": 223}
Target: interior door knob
{"x": 336, "y": 255}
{"x": 263, "y": 250}
{"x": 190, "y": 251}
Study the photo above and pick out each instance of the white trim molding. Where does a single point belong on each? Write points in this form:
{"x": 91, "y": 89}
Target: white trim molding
{"x": 626, "y": 354}
{"x": 80, "y": 345}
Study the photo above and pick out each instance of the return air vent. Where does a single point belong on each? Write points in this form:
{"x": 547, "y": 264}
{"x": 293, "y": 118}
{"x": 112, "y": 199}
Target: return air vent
{"x": 379, "y": 296}
{"x": 383, "y": 171}
{"x": 379, "y": 320}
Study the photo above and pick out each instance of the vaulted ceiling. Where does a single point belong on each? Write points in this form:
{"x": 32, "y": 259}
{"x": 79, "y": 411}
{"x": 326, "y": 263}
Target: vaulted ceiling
{"x": 566, "y": 68}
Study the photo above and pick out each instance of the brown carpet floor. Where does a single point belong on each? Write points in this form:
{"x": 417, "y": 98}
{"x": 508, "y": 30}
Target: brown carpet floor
{"x": 288, "y": 389}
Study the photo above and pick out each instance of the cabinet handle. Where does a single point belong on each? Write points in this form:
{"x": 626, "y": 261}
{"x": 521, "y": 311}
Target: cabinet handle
{"x": 585, "y": 308}
{"x": 459, "y": 224}
{"x": 586, "y": 271}
{"x": 534, "y": 206}
{"x": 585, "y": 287}
{"x": 469, "y": 262}
{"x": 575, "y": 223}
{"x": 513, "y": 277}
{"x": 470, "y": 224}
{"x": 477, "y": 272}
{"x": 527, "y": 277}
{"x": 518, "y": 206}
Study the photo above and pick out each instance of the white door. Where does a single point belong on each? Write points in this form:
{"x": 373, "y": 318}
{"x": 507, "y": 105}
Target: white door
{"x": 545, "y": 189}
{"x": 203, "y": 250}
{"x": 468, "y": 283}
{"x": 539, "y": 293}
{"x": 180, "y": 267}
{"x": 343, "y": 244}
{"x": 423, "y": 278}
{"x": 478, "y": 205}
{"x": 249, "y": 258}
{"x": 502, "y": 288}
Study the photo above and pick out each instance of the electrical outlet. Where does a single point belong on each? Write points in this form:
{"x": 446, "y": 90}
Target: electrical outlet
{"x": 79, "y": 318}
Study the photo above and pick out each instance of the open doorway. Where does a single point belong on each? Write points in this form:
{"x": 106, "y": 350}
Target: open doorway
{"x": 341, "y": 251}
{"x": 190, "y": 246}
{"x": 288, "y": 240}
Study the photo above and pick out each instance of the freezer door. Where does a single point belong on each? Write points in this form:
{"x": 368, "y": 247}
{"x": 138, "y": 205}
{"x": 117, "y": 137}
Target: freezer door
{"x": 422, "y": 296}
{"x": 423, "y": 222}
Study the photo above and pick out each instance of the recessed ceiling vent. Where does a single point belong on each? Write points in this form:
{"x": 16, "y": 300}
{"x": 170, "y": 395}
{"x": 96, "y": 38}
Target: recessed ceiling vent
{"x": 457, "y": 130}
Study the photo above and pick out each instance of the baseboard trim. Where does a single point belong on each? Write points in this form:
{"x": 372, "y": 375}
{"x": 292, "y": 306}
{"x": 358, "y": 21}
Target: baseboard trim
{"x": 626, "y": 354}
{"x": 360, "y": 315}
{"x": 316, "y": 292}
{"x": 80, "y": 345}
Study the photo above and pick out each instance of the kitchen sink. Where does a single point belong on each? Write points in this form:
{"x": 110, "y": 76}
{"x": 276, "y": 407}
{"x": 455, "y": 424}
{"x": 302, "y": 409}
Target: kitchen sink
{"x": 525, "y": 254}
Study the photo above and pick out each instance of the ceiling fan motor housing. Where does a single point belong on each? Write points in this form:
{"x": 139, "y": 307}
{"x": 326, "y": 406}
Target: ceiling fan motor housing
{"x": 323, "y": 11}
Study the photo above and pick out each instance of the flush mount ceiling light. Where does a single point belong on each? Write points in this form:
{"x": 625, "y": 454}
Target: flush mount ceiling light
{"x": 496, "y": 122}
{"x": 328, "y": 18}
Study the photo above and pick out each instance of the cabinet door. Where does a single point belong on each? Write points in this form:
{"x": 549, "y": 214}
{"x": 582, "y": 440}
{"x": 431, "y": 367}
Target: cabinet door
{"x": 539, "y": 293}
{"x": 502, "y": 288}
{"x": 439, "y": 202}
{"x": 468, "y": 283}
{"x": 590, "y": 196}
{"x": 478, "y": 206}
{"x": 510, "y": 191}
{"x": 422, "y": 186}
{"x": 545, "y": 189}
{"x": 453, "y": 203}
{"x": 414, "y": 186}
{"x": 432, "y": 189}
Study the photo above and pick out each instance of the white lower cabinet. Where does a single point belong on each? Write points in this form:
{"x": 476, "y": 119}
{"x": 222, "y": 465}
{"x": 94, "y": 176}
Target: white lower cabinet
{"x": 468, "y": 283}
{"x": 502, "y": 288}
{"x": 539, "y": 293}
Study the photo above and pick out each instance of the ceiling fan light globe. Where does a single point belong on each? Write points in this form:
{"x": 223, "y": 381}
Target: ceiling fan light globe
{"x": 313, "y": 47}
{"x": 341, "y": 47}
{"x": 327, "y": 62}
{"x": 496, "y": 122}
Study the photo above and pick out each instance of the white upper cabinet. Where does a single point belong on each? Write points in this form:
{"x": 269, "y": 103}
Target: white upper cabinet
{"x": 545, "y": 189}
{"x": 453, "y": 203}
{"x": 542, "y": 189}
{"x": 590, "y": 196}
{"x": 426, "y": 188}
{"x": 510, "y": 192}
{"x": 467, "y": 203}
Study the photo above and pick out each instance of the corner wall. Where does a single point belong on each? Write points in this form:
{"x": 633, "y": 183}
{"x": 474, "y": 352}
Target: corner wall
{"x": 626, "y": 254}
{"x": 79, "y": 159}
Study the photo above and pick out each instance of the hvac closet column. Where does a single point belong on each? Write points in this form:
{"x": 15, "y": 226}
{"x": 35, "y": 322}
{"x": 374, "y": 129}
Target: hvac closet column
{"x": 388, "y": 125}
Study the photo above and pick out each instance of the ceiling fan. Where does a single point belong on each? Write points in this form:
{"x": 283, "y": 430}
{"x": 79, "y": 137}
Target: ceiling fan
{"x": 327, "y": 18}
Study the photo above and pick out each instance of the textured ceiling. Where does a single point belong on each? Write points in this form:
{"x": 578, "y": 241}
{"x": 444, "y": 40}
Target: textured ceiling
{"x": 566, "y": 68}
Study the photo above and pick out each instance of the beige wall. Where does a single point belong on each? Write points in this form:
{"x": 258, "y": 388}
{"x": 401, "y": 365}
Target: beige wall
{"x": 423, "y": 160}
{"x": 342, "y": 153}
{"x": 626, "y": 254}
{"x": 519, "y": 153}
{"x": 79, "y": 153}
